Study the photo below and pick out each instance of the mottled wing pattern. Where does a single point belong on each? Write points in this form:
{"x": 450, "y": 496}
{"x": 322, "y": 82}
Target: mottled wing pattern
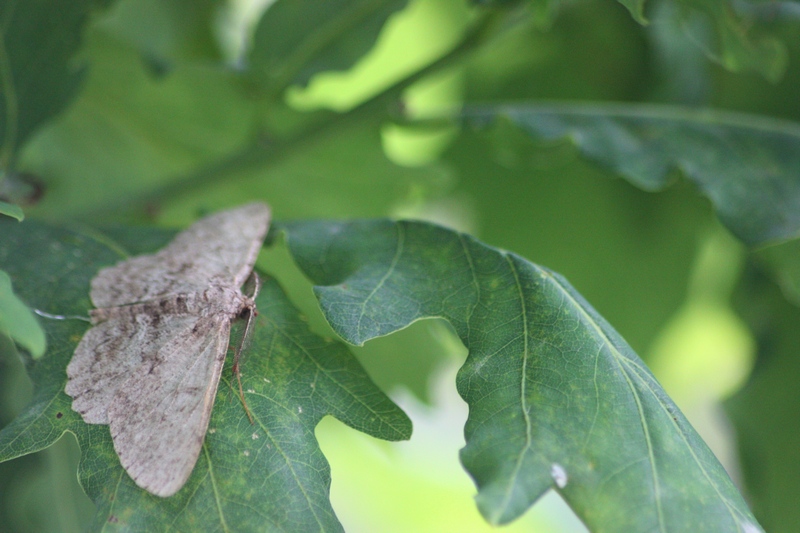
{"x": 111, "y": 350}
{"x": 151, "y": 364}
{"x": 222, "y": 247}
{"x": 160, "y": 414}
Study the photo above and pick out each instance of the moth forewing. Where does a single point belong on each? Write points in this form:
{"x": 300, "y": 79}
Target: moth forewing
{"x": 159, "y": 418}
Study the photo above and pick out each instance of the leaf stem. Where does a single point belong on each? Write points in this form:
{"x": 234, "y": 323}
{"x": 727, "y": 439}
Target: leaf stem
{"x": 262, "y": 151}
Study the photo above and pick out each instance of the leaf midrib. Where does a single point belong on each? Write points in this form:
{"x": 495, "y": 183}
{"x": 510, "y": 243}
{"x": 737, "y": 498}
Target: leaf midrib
{"x": 501, "y": 509}
{"x": 622, "y": 362}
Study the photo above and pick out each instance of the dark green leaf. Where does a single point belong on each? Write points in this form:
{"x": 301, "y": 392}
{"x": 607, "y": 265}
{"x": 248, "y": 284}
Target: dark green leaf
{"x": 735, "y": 45}
{"x": 748, "y": 166}
{"x": 557, "y": 399}
{"x": 296, "y": 39}
{"x": 783, "y": 260}
{"x": 17, "y": 321}
{"x": 680, "y": 66}
{"x": 593, "y": 51}
{"x": 546, "y": 203}
{"x": 765, "y": 411}
{"x": 38, "y": 76}
{"x": 737, "y": 48}
{"x": 636, "y": 8}
{"x": 269, "y": 475}
{"x": 730, "y": 33}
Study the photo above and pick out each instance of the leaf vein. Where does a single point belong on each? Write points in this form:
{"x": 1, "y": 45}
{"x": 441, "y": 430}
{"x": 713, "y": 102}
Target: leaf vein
{"x": 523, "y": 389}
{"x": 398, "y": 252}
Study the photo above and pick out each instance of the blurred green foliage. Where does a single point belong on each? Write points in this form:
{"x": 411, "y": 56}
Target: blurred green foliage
{"x": 153, "y": 112}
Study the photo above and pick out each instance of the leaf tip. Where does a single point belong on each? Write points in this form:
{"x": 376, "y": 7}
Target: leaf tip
{"x": 12, "y": 210}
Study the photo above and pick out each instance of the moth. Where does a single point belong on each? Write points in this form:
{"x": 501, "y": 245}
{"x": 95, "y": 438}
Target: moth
{"x": 150, "y": 365}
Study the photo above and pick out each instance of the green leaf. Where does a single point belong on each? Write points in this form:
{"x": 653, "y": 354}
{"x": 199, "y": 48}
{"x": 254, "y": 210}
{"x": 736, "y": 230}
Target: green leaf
{"x": 190, "y": 138}
{"x": 748, "y": 166}
{"x": 586, "y": 222}
{"x": 636, "y": 8}
{"x": 326, "y": 166}
{"x": 764, "y": 411}
{"x": 17, "y": 321}
{"x": 168, "y": 32}
{"x": 730, "y": 33}
{"x": 296, "y": 39}
{"x": 129, "y": 132}
{"x": 737, "y": 48}
{"x": 557, "y": 399}
{"x": 783, "y": 261}
{"x": 38, "y": 77}
{"x": 735, "y": 45}
{"x": 269, "y": 475}
{"x": 11, "y": 210}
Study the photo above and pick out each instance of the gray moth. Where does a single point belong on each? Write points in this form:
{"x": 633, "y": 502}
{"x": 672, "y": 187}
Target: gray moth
{"x": 150, "y": 364}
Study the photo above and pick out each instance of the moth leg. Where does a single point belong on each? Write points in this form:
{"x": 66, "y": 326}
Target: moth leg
{"x": 248, "y": 330}
{"x": 255, "y": 281}
{"x": 241, "y": 396}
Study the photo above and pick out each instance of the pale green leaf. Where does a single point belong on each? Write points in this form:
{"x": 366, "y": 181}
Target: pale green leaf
{"x": 11, "y": 210}
{"x": 17, "y": 320}
{"x": 130, "y": 132}
{"x": 190, "y": 139}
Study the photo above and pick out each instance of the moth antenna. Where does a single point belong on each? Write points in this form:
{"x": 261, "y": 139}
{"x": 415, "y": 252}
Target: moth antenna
{"x": 257, "y": 281}
{"x": 61, "y": 317}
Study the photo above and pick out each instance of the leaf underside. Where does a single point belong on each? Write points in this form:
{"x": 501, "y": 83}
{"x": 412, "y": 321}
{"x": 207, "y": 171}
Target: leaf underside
{"x": 747, "y": 166}
{"x": 17, "y": 321}
{"x": 557, "y": 399}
